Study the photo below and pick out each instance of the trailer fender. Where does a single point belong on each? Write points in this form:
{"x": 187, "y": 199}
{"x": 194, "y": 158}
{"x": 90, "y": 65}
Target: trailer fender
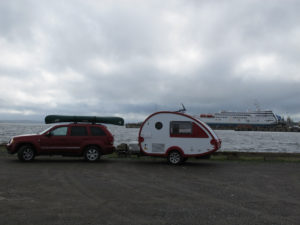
{"x": 175, "y": 148}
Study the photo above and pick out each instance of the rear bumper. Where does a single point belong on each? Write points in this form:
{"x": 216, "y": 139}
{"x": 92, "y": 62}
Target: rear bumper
{"x": 108, "y": 150}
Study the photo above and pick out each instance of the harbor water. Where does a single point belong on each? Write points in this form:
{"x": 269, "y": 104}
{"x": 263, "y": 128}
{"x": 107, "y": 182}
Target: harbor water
{"x": 240, "y": 141}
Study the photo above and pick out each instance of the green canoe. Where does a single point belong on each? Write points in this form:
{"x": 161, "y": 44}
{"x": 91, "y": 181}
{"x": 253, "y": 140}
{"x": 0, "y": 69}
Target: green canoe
{"x": 91, "y": 119}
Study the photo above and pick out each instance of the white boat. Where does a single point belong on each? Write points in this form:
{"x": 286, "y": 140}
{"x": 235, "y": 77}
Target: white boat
{"x": 253, "y": 118}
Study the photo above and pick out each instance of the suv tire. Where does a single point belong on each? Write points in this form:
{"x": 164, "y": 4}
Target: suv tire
{"x": 92, "y": 154}
{"x": 26, "y": 153}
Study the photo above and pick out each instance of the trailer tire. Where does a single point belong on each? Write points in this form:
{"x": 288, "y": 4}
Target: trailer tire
{"x": 175, "y": 157}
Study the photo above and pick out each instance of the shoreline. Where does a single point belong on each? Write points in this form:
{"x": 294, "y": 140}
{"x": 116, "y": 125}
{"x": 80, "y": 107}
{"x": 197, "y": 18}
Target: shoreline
{"x": 219, "y": 155}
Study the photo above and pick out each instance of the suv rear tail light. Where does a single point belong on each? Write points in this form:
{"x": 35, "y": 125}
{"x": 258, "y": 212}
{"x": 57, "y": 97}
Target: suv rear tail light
{"x": 111, "y": 140}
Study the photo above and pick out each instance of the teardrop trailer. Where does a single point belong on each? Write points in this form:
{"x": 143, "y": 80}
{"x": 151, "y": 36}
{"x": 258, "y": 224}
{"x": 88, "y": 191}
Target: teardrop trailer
{"x": 177, "y": 136}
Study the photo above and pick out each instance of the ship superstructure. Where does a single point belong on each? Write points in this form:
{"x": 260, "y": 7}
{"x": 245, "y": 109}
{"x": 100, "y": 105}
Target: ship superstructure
{"x": 253, "y": 118}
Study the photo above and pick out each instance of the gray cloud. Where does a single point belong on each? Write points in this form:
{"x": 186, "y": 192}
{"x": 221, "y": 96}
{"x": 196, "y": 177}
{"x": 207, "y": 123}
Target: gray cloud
{"x": 131, "y": 58}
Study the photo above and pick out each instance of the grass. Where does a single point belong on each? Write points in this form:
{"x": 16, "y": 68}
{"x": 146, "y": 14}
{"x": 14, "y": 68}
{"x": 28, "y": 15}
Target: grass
{"x": 2, "y": 149}
{"x": 260, "y": 158}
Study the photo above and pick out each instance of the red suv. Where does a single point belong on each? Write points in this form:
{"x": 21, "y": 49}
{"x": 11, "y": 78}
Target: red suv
{"x": 87, "y": 140}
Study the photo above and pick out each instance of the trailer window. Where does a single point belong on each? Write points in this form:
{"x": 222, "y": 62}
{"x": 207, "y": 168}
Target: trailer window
{"x": 185, "y": 129}
{"x": 181, "y": 128}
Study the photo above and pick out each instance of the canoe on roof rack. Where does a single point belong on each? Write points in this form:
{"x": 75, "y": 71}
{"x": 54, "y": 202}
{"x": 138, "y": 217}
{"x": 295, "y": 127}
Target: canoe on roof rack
{"x": 90, "y": 119}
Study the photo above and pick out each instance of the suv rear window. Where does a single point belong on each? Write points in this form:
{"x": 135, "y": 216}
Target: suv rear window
{"x": 97, "y": 131}
{"x": 78, "y": 131}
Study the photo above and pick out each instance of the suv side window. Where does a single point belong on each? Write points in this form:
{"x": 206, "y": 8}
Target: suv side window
{"x": 78, "y": 131}
{"x": 97, "y": 131}
{"x": 60, "y": 131}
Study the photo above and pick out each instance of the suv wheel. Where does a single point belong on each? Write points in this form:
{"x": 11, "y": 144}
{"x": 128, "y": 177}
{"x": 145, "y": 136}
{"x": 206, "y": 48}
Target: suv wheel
{"x": 26, "y": 153}
{"x": 175, "y": 158}
{"x": 92, "y": 153}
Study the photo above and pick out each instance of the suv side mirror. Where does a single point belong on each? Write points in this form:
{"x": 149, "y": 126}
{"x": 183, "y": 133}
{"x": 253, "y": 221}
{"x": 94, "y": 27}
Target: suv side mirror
{"x": 49, "y": 134}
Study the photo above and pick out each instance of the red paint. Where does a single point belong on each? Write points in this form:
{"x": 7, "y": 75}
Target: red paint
{"x": 207, "y": 116}
{"x": 177, "y": 148}
{"x": 198, "y": 131}
{"x": 141, "y": 139}
{"x": 49, "y": 144}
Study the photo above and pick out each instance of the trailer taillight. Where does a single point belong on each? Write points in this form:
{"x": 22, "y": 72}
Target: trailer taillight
{"x": 216, "y": 143}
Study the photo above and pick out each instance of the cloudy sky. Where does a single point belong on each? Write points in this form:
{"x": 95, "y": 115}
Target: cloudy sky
{"x": 131, "y": 58}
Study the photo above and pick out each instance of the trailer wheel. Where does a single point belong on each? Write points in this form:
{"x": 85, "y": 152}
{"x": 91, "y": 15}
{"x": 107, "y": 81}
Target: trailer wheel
{"x": 175, "y": 158}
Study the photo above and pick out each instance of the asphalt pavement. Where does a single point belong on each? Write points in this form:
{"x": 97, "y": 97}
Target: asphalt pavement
{"x": 57, "y": 190}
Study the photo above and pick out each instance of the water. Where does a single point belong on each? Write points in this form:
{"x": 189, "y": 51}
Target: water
{"x": 243, "y": 141}
{"x": 258, "y": 141}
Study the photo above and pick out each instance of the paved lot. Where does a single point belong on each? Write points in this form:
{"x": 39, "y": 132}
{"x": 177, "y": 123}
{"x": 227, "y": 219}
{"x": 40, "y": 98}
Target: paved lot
{"x": 131, "y": 191}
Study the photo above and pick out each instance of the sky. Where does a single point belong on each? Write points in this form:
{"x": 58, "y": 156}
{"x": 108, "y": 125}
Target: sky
{"x": 131, "y": 58}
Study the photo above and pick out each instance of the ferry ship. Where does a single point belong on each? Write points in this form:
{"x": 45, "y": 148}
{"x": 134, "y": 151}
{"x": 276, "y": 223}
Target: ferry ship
{"x": 251, "y": 118}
